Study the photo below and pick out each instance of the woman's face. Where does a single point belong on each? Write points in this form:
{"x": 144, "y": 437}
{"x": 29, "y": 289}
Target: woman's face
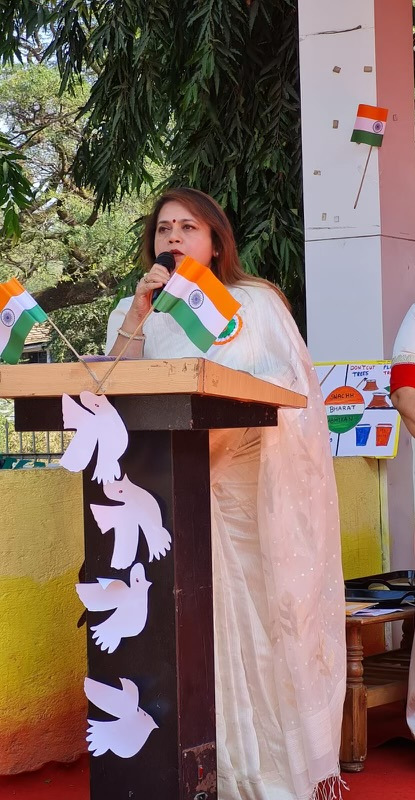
{"x": 179, "y": 232}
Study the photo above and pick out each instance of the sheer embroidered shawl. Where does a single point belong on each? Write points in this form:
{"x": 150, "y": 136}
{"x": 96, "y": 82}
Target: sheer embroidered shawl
{"x": 298, "y": 528}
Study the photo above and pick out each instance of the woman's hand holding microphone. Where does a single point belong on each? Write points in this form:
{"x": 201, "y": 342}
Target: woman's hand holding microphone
{"x": 156, "y": 278}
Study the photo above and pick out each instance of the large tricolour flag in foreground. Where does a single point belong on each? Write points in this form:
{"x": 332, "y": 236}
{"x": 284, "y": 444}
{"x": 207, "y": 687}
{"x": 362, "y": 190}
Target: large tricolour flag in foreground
{"x": 198, "y": 301}
{"x": 18, "y": 313}
{"x": 370, "y": 125}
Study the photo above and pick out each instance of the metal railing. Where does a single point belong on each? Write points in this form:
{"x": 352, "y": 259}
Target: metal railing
{"x": 40, "y": 445}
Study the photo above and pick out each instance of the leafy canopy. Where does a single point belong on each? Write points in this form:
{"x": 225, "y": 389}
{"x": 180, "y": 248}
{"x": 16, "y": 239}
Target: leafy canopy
{"x": 69, "y": 254}
{"x": 208, "y": 91}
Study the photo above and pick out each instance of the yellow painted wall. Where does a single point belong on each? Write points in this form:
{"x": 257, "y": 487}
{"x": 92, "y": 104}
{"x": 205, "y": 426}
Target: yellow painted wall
{"x": 364, "y": 531}
{"x": 42, "y": 653}
{"x": 362, "y": 527}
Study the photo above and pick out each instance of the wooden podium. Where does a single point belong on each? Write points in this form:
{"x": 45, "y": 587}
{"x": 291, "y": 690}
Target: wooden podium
{"x": 168, "y": 408}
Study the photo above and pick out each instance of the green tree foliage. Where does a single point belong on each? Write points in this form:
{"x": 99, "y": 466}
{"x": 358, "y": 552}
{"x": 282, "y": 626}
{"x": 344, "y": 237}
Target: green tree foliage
{"x": 15, "y": 189}
{"x": 69, "y": 253}
{"x": 206, "y": 90}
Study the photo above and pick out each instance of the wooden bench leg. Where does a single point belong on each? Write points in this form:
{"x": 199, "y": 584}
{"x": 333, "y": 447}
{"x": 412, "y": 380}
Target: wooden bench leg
{"x": 353, "y": 747}
{"x": 407, "y": 633}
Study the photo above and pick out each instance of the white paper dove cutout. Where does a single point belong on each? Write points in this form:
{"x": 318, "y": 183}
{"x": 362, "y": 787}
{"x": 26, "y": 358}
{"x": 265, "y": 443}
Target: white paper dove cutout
{"x": 140, "y": 509}
{"x": 130, "y": 604}
{"x": 103, "y": 426}
{"x": 126, "y": 735}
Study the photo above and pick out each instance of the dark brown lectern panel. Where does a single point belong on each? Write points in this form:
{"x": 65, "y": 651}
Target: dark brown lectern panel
{"x": 171, "y": 661}
{"x": 155, "y": 412}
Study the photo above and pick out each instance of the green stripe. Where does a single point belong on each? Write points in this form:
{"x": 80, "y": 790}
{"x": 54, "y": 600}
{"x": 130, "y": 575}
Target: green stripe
{"x": 187, "y": 319}
{"x": 38, "y": 314}
{"x": 19, "y": 331}
{"x": 365, "y": 137}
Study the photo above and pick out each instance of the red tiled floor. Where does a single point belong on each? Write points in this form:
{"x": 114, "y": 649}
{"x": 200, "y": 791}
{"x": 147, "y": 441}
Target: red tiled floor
{"x": 52, "y": 782}
{"x": 389, "y": 772}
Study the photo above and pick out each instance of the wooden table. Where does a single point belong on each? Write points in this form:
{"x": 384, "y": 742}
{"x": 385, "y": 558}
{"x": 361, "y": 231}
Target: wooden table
{"x": 372, "y": 681}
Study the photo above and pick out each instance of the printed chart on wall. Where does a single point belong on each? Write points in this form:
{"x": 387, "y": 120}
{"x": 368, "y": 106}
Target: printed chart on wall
{"x": 360, "y": 415}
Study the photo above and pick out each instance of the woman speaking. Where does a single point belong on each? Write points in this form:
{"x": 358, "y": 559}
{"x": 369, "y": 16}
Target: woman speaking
{"x": 278, "y": 589}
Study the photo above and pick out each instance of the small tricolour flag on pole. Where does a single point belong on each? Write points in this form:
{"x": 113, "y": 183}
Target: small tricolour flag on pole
{"x": 198, "y": 301}
{"x": 19, "y": 311}
{"x": 370, "y": 124}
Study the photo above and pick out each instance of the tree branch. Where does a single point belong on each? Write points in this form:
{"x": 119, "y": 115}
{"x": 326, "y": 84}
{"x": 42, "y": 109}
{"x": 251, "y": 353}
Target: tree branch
{"x": 66, "y": 293}
{"x": 36, "y": 130}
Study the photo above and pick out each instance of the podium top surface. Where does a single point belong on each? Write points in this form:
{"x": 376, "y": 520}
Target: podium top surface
{"x": 144, "y": 377}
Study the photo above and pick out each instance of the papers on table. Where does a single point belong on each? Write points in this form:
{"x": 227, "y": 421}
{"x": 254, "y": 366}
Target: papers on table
{"x": 370, "y": 609}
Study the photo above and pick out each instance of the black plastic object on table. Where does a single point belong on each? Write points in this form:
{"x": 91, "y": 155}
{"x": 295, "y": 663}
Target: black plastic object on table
{"x": 387, "y": 589}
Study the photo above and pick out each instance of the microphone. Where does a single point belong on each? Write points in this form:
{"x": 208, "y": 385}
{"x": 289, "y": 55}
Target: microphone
{"x": 167, "y": 260}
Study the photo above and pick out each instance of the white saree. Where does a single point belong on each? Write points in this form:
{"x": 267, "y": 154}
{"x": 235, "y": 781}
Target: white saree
{"x": 278, "y": 587}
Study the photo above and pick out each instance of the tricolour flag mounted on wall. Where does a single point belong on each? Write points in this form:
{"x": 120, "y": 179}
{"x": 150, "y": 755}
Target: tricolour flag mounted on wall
{"x": 370, "y": 124}
{"x": 198, "y": 301}
{"x": 18, "y": 313}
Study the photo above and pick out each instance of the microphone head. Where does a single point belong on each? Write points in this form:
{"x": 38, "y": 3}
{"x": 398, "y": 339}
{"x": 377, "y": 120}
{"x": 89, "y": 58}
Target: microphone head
{"x": 167, "y": 260}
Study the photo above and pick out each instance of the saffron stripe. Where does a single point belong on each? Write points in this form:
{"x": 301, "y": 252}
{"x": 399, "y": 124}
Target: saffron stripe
{"x": 23, "y": 301}
{"x": 210, "y": 285}
{"x": 187, "y": 319}
{"x": 372, "y": 112}
{"x": 207, "y": 312}
{"x": 10, "y": 289}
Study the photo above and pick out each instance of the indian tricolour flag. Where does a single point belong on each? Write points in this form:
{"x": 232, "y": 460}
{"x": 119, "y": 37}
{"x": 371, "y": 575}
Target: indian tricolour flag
{"x": 18, "y": 313}
{"x": 198, "y": 301}
{"x": 370, "y": 124}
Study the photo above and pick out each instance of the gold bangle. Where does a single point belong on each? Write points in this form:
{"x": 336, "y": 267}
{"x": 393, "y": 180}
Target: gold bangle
{"x": 128, "y": 335}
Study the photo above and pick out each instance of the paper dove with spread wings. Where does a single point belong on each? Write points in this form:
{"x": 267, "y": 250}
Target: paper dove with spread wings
{"x": 130, "y": 604}
{"x": 97, "y": 423}
{"x": 139, "y": 510}
{"x": 126, "y": 735}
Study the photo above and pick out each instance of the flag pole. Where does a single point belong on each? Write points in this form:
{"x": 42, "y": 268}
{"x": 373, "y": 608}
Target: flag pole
{"x": 363, "y": 176}
{"x": 329, "y": 373}
{"x": 137, "y": 331}
{"x": 68, "y": 344}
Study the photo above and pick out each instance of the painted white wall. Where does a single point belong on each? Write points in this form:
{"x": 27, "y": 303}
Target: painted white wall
{"x": 360, "y": 263}
{"x": 344, "y": 294}
{"x": 333, "y": 15}
{"x": 332, "y": 164}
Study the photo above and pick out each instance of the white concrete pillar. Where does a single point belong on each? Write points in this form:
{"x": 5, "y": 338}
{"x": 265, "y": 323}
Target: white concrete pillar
{"x": 360, "y": 263}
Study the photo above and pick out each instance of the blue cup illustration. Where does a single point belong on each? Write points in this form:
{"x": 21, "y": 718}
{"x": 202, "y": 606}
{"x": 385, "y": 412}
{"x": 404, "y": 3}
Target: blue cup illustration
{"x": 362, "y": 434}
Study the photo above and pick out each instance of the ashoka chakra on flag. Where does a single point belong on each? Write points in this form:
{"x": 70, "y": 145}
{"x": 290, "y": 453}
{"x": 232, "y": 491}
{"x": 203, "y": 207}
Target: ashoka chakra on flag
{"x": 7, "y": 317}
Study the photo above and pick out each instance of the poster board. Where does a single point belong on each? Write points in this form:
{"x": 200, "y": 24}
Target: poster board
{"x": 360, "y": 415}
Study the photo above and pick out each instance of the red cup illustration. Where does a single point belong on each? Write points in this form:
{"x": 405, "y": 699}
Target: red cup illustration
{"x": 383, "y": 432}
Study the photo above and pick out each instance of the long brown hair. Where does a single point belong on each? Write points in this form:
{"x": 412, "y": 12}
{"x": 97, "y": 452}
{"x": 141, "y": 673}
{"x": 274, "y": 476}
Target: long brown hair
{"x": 226, "y": 265}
